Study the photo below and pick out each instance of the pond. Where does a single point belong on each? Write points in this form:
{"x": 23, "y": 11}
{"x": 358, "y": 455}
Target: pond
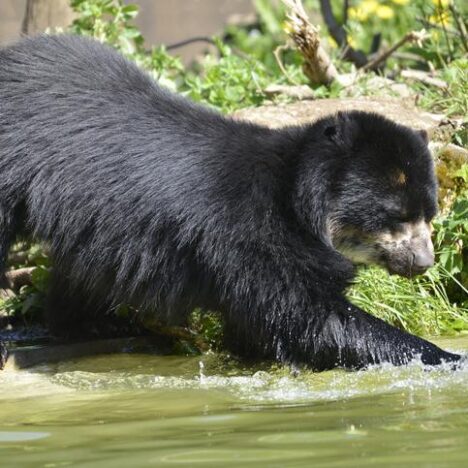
{"x": 133, "y": 410}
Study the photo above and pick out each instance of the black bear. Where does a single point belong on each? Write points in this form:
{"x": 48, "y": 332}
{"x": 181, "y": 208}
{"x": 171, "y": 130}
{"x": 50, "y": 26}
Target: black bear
{"x": 148, "y": 199}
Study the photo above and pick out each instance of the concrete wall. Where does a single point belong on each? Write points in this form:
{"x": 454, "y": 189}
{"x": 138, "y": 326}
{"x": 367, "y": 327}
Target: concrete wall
{"x": 11, "y": 16}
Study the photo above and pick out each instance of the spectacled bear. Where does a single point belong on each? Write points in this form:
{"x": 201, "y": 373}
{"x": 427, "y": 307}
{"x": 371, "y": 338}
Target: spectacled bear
{"x": 148, "y": 199}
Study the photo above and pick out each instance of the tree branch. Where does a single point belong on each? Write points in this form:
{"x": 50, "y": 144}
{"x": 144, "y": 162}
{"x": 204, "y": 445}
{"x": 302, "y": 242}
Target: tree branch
{"x": 339, "y": 35}
{"x": 318, "y": 66}
{"x": 413, "y": 36}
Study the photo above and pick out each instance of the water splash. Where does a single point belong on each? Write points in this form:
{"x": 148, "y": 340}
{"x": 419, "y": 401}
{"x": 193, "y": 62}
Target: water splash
{"x": 278, "y": 385}
{"x": 271, "y": 385}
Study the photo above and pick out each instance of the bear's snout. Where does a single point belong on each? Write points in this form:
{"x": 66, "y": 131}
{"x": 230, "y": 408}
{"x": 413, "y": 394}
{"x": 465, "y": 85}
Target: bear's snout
{"x": 412, "y": 253}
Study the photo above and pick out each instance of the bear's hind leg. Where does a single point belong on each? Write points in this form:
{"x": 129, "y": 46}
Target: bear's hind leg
{"x": 67, "y": 310}
{"x": 73, "y": 313}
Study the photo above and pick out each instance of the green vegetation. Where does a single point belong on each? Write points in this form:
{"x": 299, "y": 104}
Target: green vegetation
{"x": 237, "y": 76}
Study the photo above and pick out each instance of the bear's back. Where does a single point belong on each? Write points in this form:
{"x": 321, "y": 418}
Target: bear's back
{"x": 56, "y": 64}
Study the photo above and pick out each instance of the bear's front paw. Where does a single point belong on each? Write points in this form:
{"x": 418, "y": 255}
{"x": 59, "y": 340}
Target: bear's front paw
{"x": 437, "y": 356}
{"x": 457, "y": 361}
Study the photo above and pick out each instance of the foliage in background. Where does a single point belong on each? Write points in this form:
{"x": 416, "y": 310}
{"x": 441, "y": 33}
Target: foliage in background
{"x": 454, "y": 99}
{"x": 28, "y": 304}
{"x": 228, "y": 82}
{"x": 110, "y": 21}
{"x": 237, "y": 76}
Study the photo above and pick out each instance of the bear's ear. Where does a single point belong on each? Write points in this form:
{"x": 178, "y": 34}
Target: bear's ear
{"x": 330, "y": 132}
{"x": 424, "y": 135}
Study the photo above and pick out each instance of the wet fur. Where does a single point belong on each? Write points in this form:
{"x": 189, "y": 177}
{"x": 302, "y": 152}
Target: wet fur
{"x": 147, "y": 199}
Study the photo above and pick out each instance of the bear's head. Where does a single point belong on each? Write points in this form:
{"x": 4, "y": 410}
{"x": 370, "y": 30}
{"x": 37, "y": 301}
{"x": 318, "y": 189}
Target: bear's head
{"x": 382, "y": 194}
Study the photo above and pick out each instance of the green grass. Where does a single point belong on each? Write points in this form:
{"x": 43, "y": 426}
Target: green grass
{"x": 420, "y": 306}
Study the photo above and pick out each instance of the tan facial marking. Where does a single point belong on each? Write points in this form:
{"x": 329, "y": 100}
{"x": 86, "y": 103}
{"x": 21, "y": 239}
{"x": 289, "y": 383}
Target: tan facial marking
{"x": 418, "y": 231}
{"x": 409, "y": 251}
{"x": 352, "y": 243}
{"x": 412, "y": 243}
{"x": 399, "y": 177}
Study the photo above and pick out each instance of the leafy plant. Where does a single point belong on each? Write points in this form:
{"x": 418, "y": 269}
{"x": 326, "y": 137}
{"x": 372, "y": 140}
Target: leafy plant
{"x": 454, "y": 99}
{"x": 452, "y": 248}
{"x": 108, "y": 21}
{"x": 28, "y": 304}
{"x": 228, "y": 83}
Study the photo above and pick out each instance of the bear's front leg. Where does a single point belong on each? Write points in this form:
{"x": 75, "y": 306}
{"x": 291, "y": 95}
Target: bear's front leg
{"x": 284, "y": 300}
{"x": 284, "y": 311}
{"x": 330, "y": 334}
{"x": 345, "y": 336}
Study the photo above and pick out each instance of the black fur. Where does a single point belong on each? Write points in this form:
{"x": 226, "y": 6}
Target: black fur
{"x": 147, "y": 199}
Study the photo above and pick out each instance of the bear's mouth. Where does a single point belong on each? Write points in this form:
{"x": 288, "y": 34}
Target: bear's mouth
{"x": 406, "y": 252}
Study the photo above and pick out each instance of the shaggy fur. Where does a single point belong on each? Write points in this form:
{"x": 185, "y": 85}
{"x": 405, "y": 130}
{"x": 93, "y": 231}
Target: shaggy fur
{"x": 147, "y": 199}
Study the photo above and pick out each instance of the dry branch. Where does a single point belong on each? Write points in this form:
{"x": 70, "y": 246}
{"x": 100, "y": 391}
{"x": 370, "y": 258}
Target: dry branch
{"x": 424, "y": 77}
{"x": 318, "y": 66}
{"x": 15, "y": 279}
{"x": 413, "y": 36}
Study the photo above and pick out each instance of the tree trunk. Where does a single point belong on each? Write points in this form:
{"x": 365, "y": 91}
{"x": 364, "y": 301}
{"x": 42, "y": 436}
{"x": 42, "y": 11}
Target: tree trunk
{"x": 43, "y": 14}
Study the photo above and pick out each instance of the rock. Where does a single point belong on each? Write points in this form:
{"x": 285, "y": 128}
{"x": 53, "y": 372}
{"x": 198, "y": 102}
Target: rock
{"x": 451, "y": 152}
{"x": 300, "y": 92}
{"x": 449, "y": 160}
{"x": 301, "y": 112}
{"x": 386, "y": 87}
{"x": 353, "y": 84}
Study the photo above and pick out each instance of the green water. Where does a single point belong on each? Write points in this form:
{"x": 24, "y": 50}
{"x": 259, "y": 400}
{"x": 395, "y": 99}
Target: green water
{"x": 135, "y": 410}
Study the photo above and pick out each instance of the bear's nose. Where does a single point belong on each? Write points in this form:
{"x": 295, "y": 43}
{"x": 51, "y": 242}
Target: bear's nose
{"x": 422, "y": 261}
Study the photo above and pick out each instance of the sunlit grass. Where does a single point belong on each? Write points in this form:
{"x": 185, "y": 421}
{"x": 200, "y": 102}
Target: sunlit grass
{"x": 419, "y": 305}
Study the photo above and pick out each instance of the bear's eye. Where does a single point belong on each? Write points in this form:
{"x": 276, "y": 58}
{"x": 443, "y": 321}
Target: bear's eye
{"x": 399, "y": 217}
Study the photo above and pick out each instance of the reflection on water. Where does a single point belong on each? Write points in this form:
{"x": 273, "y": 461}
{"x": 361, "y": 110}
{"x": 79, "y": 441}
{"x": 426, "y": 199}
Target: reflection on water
{"x": 135, "y": 410}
